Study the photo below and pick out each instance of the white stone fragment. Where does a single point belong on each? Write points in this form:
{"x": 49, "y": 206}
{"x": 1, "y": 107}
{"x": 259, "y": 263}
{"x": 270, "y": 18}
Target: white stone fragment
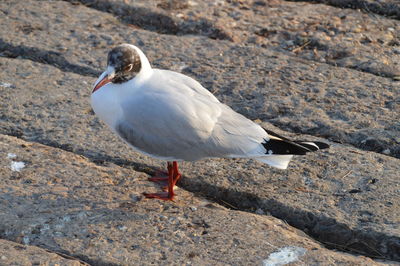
{"x": 122, "y": 227}
{"x": 26, "y": 240}
{"x": 6, "y": 85}
{"x": 260, "y": 211}
{"x": 17, "y": 166}
{"x": 284, "y": 256}
{"x": 11, "y": 156}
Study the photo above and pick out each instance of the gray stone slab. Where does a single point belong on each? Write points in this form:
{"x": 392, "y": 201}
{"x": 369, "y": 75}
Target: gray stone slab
{"x": 357, "y": 39}
{"x": 319, "y": 186}
{"x": 342, "y": 197}
{"x": 345, "y": 196}
{"x": 16, "y": 254}
{"x": 296, "y": 94}
{"x": 61, "y": 201}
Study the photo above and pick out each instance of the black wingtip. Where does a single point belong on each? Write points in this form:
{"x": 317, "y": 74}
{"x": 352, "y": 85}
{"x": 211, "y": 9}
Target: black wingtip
{"x": 286, "y": 146}
{"x": 281, "y": 147}
{"x": 321, "y": 145}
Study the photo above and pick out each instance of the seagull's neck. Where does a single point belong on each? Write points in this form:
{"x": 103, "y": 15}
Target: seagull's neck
{"x": 145, "y": 64}
{"x": 145, "y": 71}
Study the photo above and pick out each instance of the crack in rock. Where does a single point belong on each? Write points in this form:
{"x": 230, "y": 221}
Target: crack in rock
{"x": 390, "y": 9}
{"x": 46, "y": 57}
{"x": 16, "y": 246}
{"x": 150, "y": 20}
{"x": 332, "y": 55}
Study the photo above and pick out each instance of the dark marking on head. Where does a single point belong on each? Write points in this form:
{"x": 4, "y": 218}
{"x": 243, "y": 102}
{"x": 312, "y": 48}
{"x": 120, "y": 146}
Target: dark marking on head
{"x": 126, "y": 62}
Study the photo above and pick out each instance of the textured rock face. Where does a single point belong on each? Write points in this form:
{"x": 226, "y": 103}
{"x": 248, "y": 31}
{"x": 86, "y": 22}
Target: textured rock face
{"x": 12, "y": 253}
{"x": 309, "y": 69}
{"x": 62, "y": 202}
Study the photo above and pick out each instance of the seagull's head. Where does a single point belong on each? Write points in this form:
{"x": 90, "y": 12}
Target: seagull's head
{"x": 123, "y": 63}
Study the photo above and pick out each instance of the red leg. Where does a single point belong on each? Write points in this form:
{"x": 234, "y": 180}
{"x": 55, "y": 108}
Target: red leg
{"x": 159, "y": 177}
{"x": 169, "y": 195}
{"x": 177, "y": 175}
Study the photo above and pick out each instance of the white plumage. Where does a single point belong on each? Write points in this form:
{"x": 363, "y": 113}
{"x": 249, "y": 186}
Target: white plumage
{"x": 170, "y": 116}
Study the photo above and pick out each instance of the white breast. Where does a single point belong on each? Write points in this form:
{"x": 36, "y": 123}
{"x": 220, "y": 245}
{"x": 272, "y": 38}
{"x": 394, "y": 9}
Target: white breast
{"x": 105, "y": 103}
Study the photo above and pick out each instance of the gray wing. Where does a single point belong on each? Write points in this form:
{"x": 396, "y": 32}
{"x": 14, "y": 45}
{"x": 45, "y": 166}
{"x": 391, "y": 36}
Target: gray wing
{"x": 174, "y": 117}
{"x": 192, "y": 84}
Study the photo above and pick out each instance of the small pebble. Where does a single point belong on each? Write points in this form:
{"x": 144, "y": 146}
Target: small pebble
{"x": 26, "y": 240}
{"x": 122, "y": 227}
{"x": 6, "y": 85}
{"x": 396, "y": 50}
{"x": 17, "y": 166}
{"x": 260, "y": 211}
{"x": 11, "y": 155}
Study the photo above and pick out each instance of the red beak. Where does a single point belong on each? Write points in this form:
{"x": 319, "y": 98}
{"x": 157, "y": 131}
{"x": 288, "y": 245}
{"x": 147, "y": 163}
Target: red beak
{"x": 101, "y": 83}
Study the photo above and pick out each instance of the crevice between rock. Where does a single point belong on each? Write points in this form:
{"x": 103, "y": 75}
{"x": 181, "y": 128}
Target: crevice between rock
{"x": 69, "y": 257}
{"x": 391, "y": 9}
{"x": 45, "y": 57}
{"x": 328, "y": 231}
{"x": 148, "y": 19}
{"x": 336, "y": 57}
{"x": 162, "y": 23}
{"x": 359, "y": 140}
{"x": 58, "y": 60}
{"x": 63, "y": 254}
{"x": 83, "y": 259}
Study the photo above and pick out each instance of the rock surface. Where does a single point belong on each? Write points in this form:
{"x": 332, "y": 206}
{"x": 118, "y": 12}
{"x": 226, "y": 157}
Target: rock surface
{"x": 12, "y": 253}
{"x": 306, "y": 68}
{"x": 63, "y": 202}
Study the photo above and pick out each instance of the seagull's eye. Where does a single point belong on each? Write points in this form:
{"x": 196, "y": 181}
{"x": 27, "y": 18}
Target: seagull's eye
{"x": 128, "y": 68}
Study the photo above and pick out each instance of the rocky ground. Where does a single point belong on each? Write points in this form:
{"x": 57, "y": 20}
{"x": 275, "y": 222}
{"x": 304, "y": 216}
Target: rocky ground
{"x": 70, "y": 191}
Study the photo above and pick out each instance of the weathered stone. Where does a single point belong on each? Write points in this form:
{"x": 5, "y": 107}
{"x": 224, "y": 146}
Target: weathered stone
{"x": 341, "y": 197}
{"x": 12, "y": 253}
{"x": 64, "y": 203}
{"x": 389, "y": 8}
{"x": 278, "y": 65}
{"x": 294, "y": 93}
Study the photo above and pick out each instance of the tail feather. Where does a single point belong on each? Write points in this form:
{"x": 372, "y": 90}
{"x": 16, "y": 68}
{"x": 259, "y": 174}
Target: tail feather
{"x": 278, "y": 161}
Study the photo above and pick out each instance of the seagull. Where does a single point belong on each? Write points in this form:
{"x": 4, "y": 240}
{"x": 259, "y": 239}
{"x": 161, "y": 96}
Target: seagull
{"x": 172, "y": 117}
